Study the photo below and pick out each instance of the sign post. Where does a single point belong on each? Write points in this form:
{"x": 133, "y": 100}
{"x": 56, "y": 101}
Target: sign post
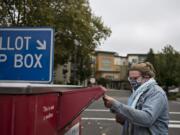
{"x": 26, "y": 55}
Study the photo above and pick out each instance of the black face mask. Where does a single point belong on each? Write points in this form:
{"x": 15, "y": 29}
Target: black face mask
{"x": 135, "y": 84}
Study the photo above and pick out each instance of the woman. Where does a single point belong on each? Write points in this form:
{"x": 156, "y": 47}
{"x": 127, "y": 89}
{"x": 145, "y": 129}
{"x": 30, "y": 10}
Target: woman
{"x": 147, "y": 109}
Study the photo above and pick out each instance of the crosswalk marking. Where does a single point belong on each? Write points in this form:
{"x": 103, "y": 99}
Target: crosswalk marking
{"x": 173, "y": 123}
{"x": 107, "y": 110}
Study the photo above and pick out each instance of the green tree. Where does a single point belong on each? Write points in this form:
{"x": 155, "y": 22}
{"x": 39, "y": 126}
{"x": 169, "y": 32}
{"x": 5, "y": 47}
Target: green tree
{"x": 151, "y": 57}
{"x": 177, "y": 69}
{"x": 167, "y": 67}
{"x": 103, "y": 81}
{"x": 77, "y": 31}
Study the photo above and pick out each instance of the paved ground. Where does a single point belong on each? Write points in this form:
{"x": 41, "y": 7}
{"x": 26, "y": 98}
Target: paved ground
{"x": 97, "y": 120}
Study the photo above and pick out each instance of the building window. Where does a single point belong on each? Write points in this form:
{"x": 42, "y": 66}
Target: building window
{"x": 134, "y": 61}
{"x": 106, "y": 64}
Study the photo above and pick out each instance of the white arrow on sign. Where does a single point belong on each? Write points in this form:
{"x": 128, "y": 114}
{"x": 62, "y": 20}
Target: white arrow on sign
{"x": 42, "y": 46}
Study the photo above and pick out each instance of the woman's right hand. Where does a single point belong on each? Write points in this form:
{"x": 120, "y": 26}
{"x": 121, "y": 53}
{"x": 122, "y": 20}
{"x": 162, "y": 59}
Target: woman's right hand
{"x": 108, "y": 101}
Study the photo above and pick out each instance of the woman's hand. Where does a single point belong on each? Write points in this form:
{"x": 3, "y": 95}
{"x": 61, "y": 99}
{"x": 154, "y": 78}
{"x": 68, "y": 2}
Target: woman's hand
{"x": 108, "y": 101}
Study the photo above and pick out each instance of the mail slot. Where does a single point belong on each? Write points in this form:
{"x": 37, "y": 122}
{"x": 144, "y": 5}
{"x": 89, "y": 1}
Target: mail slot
{"x": 41, "y": 109}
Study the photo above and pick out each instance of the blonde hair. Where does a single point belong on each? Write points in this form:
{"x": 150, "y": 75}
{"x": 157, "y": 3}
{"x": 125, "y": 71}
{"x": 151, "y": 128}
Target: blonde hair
{"x": 146, "y": 69}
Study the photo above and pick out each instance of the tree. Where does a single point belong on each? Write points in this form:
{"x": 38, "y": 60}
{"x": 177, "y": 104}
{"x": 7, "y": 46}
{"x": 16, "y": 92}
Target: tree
{"x": 77, "y": 31}
{"x": 151, "y": 57}
{"x": 103, "y": 81}
{"x": 167, "y": 67}
{"x": 177, "y": 67}
{"x": 26, "y": 13}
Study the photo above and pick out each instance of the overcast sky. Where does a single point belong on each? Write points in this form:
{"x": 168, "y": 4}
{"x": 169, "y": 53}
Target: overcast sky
{"x": 138, "y": 25}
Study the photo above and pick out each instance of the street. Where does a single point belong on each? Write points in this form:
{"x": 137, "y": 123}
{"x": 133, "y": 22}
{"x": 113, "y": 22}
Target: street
{"x": 97, "y": 120}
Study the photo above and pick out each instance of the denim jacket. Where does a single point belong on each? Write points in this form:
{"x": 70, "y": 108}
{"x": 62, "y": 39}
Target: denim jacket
{"x": 151, "y": 115}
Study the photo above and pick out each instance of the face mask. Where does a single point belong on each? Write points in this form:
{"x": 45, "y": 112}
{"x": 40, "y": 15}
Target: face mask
{"x": 135, "y": 84}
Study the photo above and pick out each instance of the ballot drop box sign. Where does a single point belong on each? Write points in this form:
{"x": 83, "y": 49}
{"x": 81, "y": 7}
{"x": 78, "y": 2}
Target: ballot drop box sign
{"x": 26, "y": 55}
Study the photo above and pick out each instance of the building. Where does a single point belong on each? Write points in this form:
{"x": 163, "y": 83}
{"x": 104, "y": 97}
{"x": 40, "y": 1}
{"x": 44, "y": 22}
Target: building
{"x": 123, "y": 68}
{"x": 105, "y": 65}
{"x": 136, "y": 58}
{"x": 114, "y": 68}
{"x": 108, "y": 66}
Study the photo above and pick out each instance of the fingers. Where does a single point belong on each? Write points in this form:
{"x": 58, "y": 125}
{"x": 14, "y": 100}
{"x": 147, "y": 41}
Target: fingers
{"x": 106, "y": 97}
{"x": 107, "y": 101}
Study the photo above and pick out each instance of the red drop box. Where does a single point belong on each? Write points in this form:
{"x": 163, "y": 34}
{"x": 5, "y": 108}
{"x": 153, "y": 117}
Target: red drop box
{"x": 40, "y": 109}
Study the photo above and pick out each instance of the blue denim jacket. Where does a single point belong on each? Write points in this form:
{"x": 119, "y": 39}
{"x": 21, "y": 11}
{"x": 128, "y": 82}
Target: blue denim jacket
{"x": 151, "y": 116}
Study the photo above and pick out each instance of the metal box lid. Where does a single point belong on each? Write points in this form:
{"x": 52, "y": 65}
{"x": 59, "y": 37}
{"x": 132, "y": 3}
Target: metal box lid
{"x": 28, "y": 88}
